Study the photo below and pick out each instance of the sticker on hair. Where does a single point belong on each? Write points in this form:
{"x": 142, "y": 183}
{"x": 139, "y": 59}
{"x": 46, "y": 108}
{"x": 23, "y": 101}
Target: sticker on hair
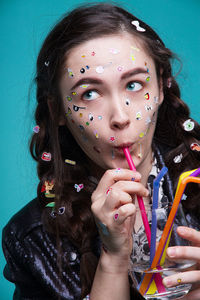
{"x": 78, "y": 187}
{"x": 178, "y": 158}
{"x": 195, "y": 147}
{"x": 70, "y": 162}
{"x": 36, "y": 129}
{"x": 46, "y": 156}
{"x": 46, "y": 63}
{"x": 138, "y": 27}
{"x": 188, "y": 125}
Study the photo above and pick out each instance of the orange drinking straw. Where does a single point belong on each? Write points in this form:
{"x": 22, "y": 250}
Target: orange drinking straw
{"x": 161, "y": 246}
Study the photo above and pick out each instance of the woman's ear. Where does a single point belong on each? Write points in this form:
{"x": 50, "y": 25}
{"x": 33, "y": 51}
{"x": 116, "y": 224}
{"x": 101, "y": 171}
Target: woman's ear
{"x": 55, "y": 112}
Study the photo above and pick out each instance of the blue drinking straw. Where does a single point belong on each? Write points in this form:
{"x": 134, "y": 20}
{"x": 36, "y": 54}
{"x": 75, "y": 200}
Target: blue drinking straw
{"x": 156, "y": 184}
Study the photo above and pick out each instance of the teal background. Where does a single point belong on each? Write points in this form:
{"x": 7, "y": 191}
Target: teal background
{"x": 23, "y": 26}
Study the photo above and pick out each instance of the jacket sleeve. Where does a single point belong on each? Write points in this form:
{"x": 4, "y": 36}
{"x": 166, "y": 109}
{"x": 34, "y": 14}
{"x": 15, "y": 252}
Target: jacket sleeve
{"x": 16, "y": 269}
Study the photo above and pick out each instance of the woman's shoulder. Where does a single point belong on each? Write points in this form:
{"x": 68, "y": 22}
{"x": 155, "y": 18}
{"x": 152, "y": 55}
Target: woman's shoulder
{"x": 24, "y": 221}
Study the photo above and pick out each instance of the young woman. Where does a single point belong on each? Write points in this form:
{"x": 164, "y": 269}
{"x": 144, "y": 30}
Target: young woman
{"x": 104, "y": 82}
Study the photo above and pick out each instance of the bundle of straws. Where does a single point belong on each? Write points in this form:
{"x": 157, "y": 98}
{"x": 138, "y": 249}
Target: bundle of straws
{"x": 152, "y": 282}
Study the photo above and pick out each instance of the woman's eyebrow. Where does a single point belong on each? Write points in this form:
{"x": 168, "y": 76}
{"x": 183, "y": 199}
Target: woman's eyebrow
{"x": 134, "y": 72}
{"x": 87, "y": 80}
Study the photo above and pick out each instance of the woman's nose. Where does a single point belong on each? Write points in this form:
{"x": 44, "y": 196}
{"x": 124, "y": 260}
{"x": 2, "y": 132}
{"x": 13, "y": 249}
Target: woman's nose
{"x": 120, "y": 117}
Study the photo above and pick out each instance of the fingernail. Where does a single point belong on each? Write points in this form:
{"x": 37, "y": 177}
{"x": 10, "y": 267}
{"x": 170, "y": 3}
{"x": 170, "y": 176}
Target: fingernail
{"x": 167, "y": 282}
{"x": 171, "y": 252}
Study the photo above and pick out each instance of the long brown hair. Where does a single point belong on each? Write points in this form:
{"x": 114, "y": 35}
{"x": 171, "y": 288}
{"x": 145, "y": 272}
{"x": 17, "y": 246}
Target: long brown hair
{"x": 77, "y": 223}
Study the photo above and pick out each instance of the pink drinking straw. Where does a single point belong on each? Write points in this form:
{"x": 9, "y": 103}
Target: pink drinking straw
{"x": 157, "y": 277}
{"x": 139, "y": 198}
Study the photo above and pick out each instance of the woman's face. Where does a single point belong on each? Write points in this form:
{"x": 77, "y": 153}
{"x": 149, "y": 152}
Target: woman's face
{"x": 111, "y": 97}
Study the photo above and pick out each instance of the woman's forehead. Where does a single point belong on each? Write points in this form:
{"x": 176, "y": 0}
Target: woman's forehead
{"x": 108, "y": 49}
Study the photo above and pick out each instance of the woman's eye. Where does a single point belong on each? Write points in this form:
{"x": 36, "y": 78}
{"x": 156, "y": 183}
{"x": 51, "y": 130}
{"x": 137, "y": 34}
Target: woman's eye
{"x": 90, "y": 95}
{"x": 134, "y": 86}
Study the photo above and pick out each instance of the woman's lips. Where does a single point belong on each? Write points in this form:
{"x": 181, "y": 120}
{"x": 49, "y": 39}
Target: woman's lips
{"x": 124, "y": 145}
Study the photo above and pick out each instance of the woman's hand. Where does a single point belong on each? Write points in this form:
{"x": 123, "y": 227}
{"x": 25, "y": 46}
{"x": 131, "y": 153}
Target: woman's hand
{"x": 186, "y": 252}
{"x": 114, "y": 209}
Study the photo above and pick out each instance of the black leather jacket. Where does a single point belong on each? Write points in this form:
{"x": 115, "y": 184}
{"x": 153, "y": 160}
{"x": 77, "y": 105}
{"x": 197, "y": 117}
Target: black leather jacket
{"x": 31, "y": 260}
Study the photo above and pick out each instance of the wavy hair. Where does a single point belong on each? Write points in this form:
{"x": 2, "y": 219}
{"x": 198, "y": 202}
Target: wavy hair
{"x": 77, "y": 222}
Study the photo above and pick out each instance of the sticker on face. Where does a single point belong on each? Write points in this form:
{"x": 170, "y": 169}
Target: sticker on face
{"x": 148, "y": 107}
{"x": 138, "y": 115}
{"x": 156, "y": 99}
{"x": 114, "y": 51}
{"x": 100, "y": 69}
{"x": 100, "y": 118}
{"x": 90, "y": 117}
{"x": 128, "y": 101}
{"x": 146, "y": 96}
{"x": 84, "y": 86}
{"x": 76, "y": 108}
{"x": 96, "y": 134}
{"x": 70, "y": 73}
{"x": 69, "y": 98}
{"x": 69, "y": 112}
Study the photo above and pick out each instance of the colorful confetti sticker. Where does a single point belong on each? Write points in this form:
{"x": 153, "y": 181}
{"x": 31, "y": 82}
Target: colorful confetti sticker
{"x": 84, "y": 86}
{"x": 51, "y": 204}
{"x": 132, "y": 57}
{"x": 113, "y": 154}
{"x": 81, "y": 128}
{"x": 135, "y": 48}
{"x": 148, "y": 78}
{"x": 148, "y": 120}
{"x": 87, "y": 67}
{"x": 138, "y": 115}
{"x": 112, "y": 138}
{"x": 87, "y": 123}
{"x": 78, "y": 187}
{"x": 70, "y": 73}
{"x": 146, "y": 96}
{"x": 74, "y": 93}
{"x": 82, "y": 70}
{"x": 188, "y": 125}
{"x": 83, "y": 56}
{"x": 114, "y": 51}
{"x": 120, "y": 68}
{"x": 137, "y": 25}
{"x": 177, "y": 159}
{"x": 69, "y": 98}
{"x": 46, "y": 63}
{"x": 108, "y": 190}
{"x": 76, "y": 108}
{"x": 46, "y": 156}
{"x": 90, "y": 117}
{"x": 36, "y": 129}
{"x": 70, "y": 162}
{"x": 128, "y": 101}
{"x": 80, "y": 115}
{"x": 156, "y": 99}
{"x": 195, "y": 147}
{"x": 141, "y": 135}
{"x": 69, "y": 112}
{"x": 100, "y": 117}
{"x": 96, "y": 134}
{"x": 100, "y": 69}
{"x": 148, "y": 107}
{"x": 93, "y": 53}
